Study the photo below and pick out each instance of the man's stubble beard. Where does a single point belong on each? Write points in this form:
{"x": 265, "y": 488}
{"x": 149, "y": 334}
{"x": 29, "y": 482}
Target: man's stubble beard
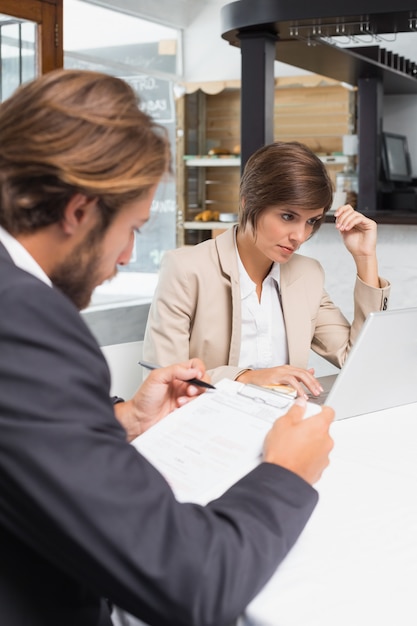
{"x": 79, "y": 274}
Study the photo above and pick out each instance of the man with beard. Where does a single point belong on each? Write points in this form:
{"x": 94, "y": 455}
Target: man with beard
{"x": 85, "y": 520}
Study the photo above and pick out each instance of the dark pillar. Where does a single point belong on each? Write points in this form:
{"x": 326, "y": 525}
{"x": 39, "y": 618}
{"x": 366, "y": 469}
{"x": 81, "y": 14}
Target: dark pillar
{"x": 370, "y": 103}
{"x": 257, "y": 92}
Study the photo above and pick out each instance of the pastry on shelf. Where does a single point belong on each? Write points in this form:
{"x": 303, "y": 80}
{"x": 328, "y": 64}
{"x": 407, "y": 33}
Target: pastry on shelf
{"x": 219, "y": 152}
{"x": 208, "y": 215}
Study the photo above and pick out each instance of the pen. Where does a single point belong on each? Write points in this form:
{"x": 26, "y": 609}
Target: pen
{"x": 192, "y": 381}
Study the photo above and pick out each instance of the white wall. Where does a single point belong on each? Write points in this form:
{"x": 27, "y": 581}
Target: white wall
{"x": 397, "y": 260}
{"x": 174, "y": 13}
{"x": 209, "y": 57}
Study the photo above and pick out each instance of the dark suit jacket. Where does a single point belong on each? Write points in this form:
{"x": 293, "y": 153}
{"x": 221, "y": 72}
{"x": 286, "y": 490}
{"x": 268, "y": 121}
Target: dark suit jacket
{"x": 83, "y": 516}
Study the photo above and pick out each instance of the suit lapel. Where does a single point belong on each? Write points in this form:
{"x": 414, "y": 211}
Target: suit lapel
{"x": 297, "y": 315}
{"x": 228, "y": 264}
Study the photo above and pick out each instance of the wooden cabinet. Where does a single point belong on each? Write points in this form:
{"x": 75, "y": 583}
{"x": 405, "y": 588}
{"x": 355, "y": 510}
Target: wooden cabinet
{"x": 310, "y": 109}
{"x": 213, "y": 185}
{"x": 207, "y": 183}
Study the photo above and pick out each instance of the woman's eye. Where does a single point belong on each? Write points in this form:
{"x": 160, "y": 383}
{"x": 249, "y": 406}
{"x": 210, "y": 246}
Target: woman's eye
{"x": 313, "y": 221}
{"x": 287, "y": 217}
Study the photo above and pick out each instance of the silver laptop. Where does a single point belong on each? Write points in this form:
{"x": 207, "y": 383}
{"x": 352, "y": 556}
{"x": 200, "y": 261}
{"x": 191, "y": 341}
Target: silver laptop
{"x": 381, "y": 369}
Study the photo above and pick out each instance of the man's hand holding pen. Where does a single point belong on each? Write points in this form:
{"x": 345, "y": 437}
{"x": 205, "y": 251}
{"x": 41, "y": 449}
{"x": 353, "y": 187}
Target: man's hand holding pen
{"x": 199, "y": 382}
{"x": 165, "y": 389}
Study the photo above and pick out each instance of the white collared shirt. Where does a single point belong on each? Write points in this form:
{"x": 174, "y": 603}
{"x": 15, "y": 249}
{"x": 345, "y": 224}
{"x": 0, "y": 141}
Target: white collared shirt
{"x": 21, "y": 257}
{"x": 264, "y": 338}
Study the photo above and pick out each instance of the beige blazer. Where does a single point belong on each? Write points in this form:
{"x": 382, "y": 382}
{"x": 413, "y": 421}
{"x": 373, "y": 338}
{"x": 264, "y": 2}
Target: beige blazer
{"x": 196, "y": 310}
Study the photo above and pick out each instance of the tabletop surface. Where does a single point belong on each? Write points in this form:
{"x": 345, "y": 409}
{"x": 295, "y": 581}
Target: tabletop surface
{"x": 355, "y": 563}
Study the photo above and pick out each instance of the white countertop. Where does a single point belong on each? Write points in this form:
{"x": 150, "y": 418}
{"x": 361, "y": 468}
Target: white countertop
{"x": 355, "y": 564}
{"x": 125, "y": 289}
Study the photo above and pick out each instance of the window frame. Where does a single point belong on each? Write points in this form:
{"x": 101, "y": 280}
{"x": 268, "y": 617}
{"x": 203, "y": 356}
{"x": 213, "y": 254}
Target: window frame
{"x": 48, "y": 15}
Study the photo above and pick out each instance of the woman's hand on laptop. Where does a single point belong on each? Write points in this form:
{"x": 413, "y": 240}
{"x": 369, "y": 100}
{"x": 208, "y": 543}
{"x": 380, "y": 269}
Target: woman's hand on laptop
{"x": 295, "y": 377}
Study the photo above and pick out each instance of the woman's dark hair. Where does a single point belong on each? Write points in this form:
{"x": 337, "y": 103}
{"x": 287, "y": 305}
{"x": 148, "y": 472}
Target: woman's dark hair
{"x": 286, "y": 174}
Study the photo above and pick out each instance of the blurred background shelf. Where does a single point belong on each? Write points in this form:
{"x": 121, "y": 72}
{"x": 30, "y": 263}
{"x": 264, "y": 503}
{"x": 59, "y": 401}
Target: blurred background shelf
{"x": 208, "y": 161}
{"x": 208, "y": 225}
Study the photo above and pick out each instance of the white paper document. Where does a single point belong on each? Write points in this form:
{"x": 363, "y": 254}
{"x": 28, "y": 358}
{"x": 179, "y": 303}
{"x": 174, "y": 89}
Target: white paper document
{"x": 207, "y": 445}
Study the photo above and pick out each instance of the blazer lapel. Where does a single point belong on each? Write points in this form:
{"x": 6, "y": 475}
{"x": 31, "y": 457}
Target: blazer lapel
{"x": 297, "y": 315}
{"x": 225, "y": 246}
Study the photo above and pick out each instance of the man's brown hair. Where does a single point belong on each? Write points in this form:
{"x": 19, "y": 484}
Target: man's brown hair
{"x": 72, "y": 131}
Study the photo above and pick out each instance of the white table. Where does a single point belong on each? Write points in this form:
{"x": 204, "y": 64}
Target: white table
{"x": 355, "y": 564}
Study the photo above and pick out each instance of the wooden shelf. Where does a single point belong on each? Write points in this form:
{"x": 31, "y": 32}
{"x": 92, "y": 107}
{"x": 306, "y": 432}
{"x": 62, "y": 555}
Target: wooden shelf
{"x": 208, "y": 161}
{"x": 207, "y": 225}
{"x": 337, "y": 159}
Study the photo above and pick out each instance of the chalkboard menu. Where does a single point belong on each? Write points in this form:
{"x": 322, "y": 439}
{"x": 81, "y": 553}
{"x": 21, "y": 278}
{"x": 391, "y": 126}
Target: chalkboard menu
{"x": 157, "y": 97}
